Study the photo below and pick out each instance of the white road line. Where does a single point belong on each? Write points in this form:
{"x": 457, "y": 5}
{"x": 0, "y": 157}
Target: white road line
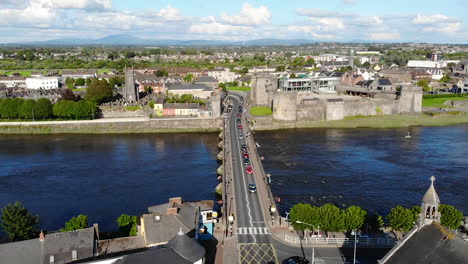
{"x": 253, "y": 231}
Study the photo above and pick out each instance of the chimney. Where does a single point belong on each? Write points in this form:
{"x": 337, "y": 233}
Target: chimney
{"x": 41, "y": 236}
{"x": 175, "y": 200}
{"x": 172, "y": 210}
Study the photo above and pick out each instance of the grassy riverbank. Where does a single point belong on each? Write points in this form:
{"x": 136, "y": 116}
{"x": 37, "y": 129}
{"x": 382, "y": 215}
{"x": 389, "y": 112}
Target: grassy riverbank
{"x": 33, "y": 130}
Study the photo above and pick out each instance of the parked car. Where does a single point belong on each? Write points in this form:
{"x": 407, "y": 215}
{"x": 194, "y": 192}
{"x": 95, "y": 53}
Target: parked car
{"x": 239, "y": 126}
{"x": 244, "y": 147}
{"x": 241, "y": 136}
{"x": 295, "y": 260}
{"x": 249, "y": 170}
{"x": 252, "y": 188}
{"x": 245, "y": 155}
{"x": 239, "y": 115}
{"x": 246, "y": 161}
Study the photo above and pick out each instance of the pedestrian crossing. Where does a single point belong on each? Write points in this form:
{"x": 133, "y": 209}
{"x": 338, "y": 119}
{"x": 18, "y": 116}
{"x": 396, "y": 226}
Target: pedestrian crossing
{"x": 253, "y": 231}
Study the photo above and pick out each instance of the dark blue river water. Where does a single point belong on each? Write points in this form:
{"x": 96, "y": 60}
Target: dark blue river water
{"x": 103, "y": 176}
{"x": 376, "y": 169}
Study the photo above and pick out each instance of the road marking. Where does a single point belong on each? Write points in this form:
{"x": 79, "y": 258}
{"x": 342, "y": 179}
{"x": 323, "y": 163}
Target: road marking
{"x": 253, "y": 231}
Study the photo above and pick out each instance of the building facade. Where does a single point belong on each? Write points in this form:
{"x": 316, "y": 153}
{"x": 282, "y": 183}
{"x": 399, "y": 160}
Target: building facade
{"x": 42, "y": 83}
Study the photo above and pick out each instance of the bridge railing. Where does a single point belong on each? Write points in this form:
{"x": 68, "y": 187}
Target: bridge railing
{"x": 341, "y": 242}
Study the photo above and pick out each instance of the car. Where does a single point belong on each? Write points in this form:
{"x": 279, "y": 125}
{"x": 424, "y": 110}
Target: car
{"x": 241, "y": 136}
{"x": 249, "y": 170}
{"x": 245, "y": 155}
{"x": 252, "y": 188}
{"x": 244, "y": 147}
{"x": 246, "y": 161}
{"x": 295, "y": 260}
{"x": 238, "y": 120}
{"x": 239, "y": 115}
{"x": 239, "y": 126}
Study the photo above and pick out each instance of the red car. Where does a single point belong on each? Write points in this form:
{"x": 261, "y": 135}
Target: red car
{"x": 245, "y": 155}
{"x": 249, "y": 170}
{"x": 239, "y": 126}
{"x": 239, "y": 115}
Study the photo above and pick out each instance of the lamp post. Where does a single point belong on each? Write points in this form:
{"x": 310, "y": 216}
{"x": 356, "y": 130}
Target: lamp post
{"x": 313, "y": 247}
{"x": 231, "y": 222}
{"x": 272, "y": 213}
{"x": 355, "y": 241}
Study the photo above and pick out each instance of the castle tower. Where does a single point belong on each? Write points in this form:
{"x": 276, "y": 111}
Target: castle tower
{"x": 410, "y": 99}
{"x": 263, "y": 87}
{"x": 429, "y": 206}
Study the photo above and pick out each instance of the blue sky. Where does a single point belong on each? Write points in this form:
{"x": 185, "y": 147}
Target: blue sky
{"x": 332, "y": 20}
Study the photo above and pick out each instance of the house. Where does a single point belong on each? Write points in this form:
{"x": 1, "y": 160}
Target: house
{"x": 13, "y": 82}
{"x": 57, "y": 248}
{"x": 208, "y": 81}
{"x": 461, "y": 67}
{"x": 396, "y": 76}
{"x": 350, "y": 78}
{"x": 426, "y": 64}
{"x": 181, "y": 249}
{"x": 158, "y": 84}
{"x": 223, "y": 75}
{"x": 45, "y": 83}
{"x": 429, "y": 241}
{"x": 197, "y": 90}
{"x": 382, "y": 84}
{"x": 75, "y": 74}
{"x": 163, "y": 221}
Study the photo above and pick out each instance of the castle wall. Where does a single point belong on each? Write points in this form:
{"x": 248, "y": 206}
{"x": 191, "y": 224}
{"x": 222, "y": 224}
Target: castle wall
{"x": 284, "y": 106}
{"x": 312, "y": 112}
{"x": 263, "y": 88}
{"x": 371, "y": 107}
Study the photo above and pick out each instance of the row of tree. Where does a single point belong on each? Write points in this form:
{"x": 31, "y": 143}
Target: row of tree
{"x": 19, "y": 108}
{"x": 20, "y": 224}
{"x": 331, "y": 218}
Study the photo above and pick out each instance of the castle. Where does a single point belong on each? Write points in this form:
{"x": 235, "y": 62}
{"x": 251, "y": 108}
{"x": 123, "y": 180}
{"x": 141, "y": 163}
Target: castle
{"x": 349, "y": 101}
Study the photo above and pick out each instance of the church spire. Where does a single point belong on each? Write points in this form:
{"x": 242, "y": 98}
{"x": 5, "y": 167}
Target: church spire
{"x": 429, "y": 206}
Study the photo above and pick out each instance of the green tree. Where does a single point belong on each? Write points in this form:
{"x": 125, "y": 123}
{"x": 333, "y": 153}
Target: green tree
{"x": 116, "y": 81}
{"x": 298, "y": 62}
{"x": 9, "y": 107}
{"x": 18, "y": 222}
{"x": 354, "y": 218}
{"x": 26, "y": 109}
{"x": 304, "y": 213}
{"x": 331, "y": 218}
{"x": 424, "y": 83}
{"x": 88, "y": 81}
{"x": 445, "y": 79}
{"x": 189, "y": 77}
{"x": 76, "y": 223}
{"x": 69, "y": 82}
{"x": 80, "y": 82}
{"x": 43, "y": 108}
{"x": 128, "y": 225}
{"x": 366, "y": 64}
{"x": 280, "y": 68}
{"x": 99, "y": 91}
{"x": 161, "y": 73}
{"x": 293, "y": 75}
{"x": 29, "y": 55}
{"x": 402, "y": 219}
{"x": 450, "y": 216}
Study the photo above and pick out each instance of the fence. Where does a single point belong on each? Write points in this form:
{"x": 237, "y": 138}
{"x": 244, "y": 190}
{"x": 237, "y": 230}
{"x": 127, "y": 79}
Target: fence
{"x": 341, "y": 242}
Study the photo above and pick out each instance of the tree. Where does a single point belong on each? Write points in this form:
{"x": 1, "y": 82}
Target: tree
{"x": 29, "y": 55}
{"x": 130, "y": 54}
{"x": 18, "y": 222}
{"x": 76, "y": 223}
{"x": 445, "y": 79}
{"x": 128, "y": 225}
{"x": 402, "y": 219}
{"x": 303, "y": 213}
{"x": 310, "y": 61}
{"x": 9, "y": 107}
{"x": 99, "y": 91}
{"x": 354, "y": 218}
{"x": 280, "y": 68}
{"x": 43, "y": 108}
{"x": 331, "y": 218}
{"x": 69, "y": 82}
{"x": 80, "y": 82}
{"x": 161, "y": 73}
{"x": 67, "y": 94}
{"x": 26, "y": 109}
{"x": 189, "y": 77}
{"x": 450, "y": 216}
{"x": 88, "y": 81}
{"x": 116, "y": 81}
{"x": 292, "y": 75}
{"x": 366, "y": 64}
{"x": 424, "y": 83}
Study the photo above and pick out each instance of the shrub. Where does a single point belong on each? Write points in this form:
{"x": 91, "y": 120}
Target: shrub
{"x": 128, "y": 225}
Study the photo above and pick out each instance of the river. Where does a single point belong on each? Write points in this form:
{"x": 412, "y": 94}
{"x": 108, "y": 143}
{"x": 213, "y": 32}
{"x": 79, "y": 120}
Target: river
{"x": 376, "y": 169}
{"x": 103, "y": 176}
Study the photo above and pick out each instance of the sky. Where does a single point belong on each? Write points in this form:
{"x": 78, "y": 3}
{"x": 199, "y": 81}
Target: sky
{"x": 331, "y": 20}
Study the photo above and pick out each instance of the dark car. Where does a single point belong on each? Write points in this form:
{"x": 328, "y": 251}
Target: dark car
{"x": 246, "y": 161}
{"x": 252, "y": 188}
{"x": 295, "y": 260}
{"x": 244, "y": 146}
{"x": 238, "y": 120}
{"x": 239, "y": 115}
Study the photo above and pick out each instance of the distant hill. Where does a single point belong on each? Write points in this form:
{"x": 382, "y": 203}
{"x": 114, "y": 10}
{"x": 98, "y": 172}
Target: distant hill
{"x": 129, "y": 40}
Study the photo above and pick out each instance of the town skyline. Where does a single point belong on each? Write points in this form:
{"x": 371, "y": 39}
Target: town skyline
{"x": 337, "y": 21}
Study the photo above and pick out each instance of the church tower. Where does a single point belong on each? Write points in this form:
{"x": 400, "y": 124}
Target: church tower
{"x": 430, "y": 206}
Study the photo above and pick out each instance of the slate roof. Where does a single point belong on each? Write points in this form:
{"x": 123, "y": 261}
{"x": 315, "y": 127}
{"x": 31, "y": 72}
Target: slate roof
{"x": 22, "y": 252}
{"x": 160, "y": 255}
{"x": 384, "y": 81}
{"x": 204, "y": 79}
{"x": 186, "y": 247}
{"x": 431, "y": 244}
{"x": 196, "y": 86}
{"x": 431, "y": 196}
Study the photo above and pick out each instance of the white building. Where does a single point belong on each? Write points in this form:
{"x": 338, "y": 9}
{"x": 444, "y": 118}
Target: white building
{"x": 223, "y": 75}
{"x": 426, "y": 64}
{"x": 42, "y": 83}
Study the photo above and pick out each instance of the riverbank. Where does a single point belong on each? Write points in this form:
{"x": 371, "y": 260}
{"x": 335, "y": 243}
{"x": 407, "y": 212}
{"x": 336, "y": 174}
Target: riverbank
{"x": 389, "y": 121}
{"x": 112, "y": 126}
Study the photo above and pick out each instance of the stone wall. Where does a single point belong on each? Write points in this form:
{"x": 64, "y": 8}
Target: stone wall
{"x": 311, "y": 112}
{"x": 284, "y": 106}
{"x": 120, "y": 111}
{"x": 263, "y": 87}
{"x": 371, "y": 107}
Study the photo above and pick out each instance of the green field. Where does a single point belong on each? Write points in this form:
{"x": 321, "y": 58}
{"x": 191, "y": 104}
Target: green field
{"x": 237, "y": 88}
{"x": 23, "y": 73}
{"x": 439, "y": 102}
{"x": 103, "y": 71}
{"x": 260, "y": 111}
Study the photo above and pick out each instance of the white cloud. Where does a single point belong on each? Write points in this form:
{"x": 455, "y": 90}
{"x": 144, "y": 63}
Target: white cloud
{"x": 218, "y": 28}
{"x": 329, "y": 24}
{"x": 249, "y": 15}
{"x": 170, "y": 13}
{"x": 368, "y": 20}
{"x": 78, "y": 4}
{"x": 348, "y": 2}
{"x": 316, "y": 12}
{"x": 312, "y": 31}
{"x": 444, "y": 28}
{"x": 35, "y": 15}
{"x": 432, "y": 19}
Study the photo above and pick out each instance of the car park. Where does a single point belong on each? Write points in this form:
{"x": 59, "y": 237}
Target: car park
{"x": 252, "y": 188}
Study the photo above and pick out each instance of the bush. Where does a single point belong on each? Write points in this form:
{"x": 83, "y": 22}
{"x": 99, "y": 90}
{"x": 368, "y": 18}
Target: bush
{"x": 76, "y": 223}
{"x": 133, "y": 108}
{"x": 128, "y": 225}
{"x": 18, "y": 222}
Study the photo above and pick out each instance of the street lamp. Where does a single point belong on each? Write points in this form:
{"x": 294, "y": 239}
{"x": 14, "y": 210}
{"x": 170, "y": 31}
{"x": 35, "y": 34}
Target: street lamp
{"x": 355, "y": 241}
{"x": 272, "y": 213}
{"x": 313, "y": 247}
